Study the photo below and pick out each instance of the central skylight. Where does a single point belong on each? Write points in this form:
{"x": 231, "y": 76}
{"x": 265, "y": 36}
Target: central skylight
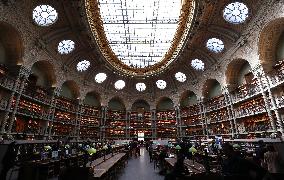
{"x": 140, "y": 32}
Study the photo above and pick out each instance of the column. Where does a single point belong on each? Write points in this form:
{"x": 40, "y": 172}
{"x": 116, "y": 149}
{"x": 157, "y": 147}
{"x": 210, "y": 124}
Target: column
{"x": 260, "y": 77}
{"x": 154, "y": 124}
{"x": 9, "y": 105}
{"x": 203, "y": 117}
{"x": 78, "y": 118}
{"x": 51, "y": 112}
{"x": 230, "y": 109}
{"x": 102, "y": 123}
{"x": 127, "y": 127}
{"x": 178, "y": 121}
{"x": 23, "y": 76}
{"x": 279, "y": 122}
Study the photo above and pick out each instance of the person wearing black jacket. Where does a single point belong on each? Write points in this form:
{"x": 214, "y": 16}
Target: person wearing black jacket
{"x": 236, "y": 166}
{"x": 179, "y": 170}
{"x": 8, "y": 160}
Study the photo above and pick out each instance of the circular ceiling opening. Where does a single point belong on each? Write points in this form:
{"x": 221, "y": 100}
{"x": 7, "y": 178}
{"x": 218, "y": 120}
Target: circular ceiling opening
{"x": 139, "y": 38}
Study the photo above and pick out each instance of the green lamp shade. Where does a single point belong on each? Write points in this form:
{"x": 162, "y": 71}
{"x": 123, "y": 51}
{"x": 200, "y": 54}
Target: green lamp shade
{"x": 192, "y": 150}
{"x": 178, "y": 147}
{"x": 236, "y": 146}
{"x": 47, "y": 148}
{"x": 105, "y": 147}
{"x": 67, "y": 146}
{"x": 92, "y": 151}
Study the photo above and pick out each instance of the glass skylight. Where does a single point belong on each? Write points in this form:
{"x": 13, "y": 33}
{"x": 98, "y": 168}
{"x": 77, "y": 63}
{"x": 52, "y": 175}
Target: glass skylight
{"x": 215, "y": 45}
{"x": 83, "y": 65}
{"x": 161, "y": 84}
{"x": 100, "y": 77}
{"x": 197, "y": 64}
{"x": 120, "y": 84}
{"x": 140, "y": 33}
{"x": 44, "y": 15}
{"x": 236, "y": 13}
{"x": 181, "y": 77}
{"x": 140, "y": 87}
{"x": 66, "y": 46}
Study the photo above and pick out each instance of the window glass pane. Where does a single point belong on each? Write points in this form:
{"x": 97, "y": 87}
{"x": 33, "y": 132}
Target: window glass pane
{"x": 120, "y": 84}
{"x": 83, "y": 65}
{"x": 100, "y": 77}
{"x": 44, "y": 15}
{"x": 197, "y": 64}
{"x": 181, "y": 77}
{"x": 66, "y": 46}
{"x": 161, "y": 84}
{"x": 215, "y": 45}
{"x": 236, "y": 13}
{"x": 140, "y": 33}
{"x": 140, "y": 87}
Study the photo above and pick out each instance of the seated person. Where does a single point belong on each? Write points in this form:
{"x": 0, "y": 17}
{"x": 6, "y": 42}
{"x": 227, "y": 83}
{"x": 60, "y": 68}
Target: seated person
{"x": 179, "y": 170}
{"x": 234, "y": 165}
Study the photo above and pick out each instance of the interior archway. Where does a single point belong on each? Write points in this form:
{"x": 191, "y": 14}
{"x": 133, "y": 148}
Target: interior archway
{"x": 70, "y": 90}
{"x": 11, "y": 45}
{"x": 238, "y": 73}
{"x": 268, "y": 42}
{"x": 188, "y": 98}
{"x": 211, "y": 88}
{"x": 140, "y": 105}
{"x": 44, "y": 72}
{"x": 93, "y": 99}
{"x": 116, "y": 104}
{"x": 165, "y": 103}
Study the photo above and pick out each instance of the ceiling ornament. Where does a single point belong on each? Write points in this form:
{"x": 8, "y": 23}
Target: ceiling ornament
{"x": 96, "y": 24}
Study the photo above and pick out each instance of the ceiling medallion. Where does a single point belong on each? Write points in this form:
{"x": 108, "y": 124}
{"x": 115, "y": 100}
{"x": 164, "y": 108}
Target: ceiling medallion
{"x": 133, "y": 36}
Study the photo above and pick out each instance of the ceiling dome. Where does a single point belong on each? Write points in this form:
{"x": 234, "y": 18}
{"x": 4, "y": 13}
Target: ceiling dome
{"x": 140, "y": 38}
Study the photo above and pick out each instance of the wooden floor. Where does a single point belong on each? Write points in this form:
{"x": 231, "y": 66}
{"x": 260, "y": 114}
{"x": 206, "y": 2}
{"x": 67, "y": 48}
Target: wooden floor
{"x": 140, "y": 168}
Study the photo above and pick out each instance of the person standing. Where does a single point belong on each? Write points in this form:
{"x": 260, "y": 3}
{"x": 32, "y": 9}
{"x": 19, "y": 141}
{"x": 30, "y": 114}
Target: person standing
{"x": 8, "y": 160}
{"x": 150, "y": 150}
{"x": 271, "y": 159}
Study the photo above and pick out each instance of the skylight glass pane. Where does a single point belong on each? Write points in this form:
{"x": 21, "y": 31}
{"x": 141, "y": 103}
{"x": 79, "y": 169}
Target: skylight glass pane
{"x": 66, "y": 46}
{"x": 236, "y": 13}
{"x": 215, "y": 45}
{"x": 181, "y": 77}
{"x": 100, "y": 77}
{"x": 140, "y": 33}
{"x": 197, "y": 64}
{"x": 161, "y": 84}
{"x": 140, "y": 87}
{"x": 44, "y": 15}
{"x": 83, "y": 65}
{"x": 120, "y": 84}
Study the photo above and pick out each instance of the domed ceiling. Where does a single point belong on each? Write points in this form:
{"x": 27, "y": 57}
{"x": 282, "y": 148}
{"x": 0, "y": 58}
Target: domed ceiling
{"x": 149, "y": 50}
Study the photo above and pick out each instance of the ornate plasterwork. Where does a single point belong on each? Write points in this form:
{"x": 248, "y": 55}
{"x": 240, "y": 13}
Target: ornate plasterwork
{"x": 244, "y": 48}
{"x": 184, "y": 26}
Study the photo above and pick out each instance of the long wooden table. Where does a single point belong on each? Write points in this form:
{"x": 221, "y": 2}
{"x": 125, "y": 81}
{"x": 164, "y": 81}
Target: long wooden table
{"x": 194, "y": 168}
{"x": 102, "y": 168}
{"x": 98, "y": 160}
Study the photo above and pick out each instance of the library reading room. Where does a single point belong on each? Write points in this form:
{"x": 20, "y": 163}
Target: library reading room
{"x": 141, "y": 89}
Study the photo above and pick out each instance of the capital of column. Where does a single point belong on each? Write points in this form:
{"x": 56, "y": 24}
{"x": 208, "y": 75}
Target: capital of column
{"x": 225, "y": 89}
{"x": 24, "y": 72}
{"x": 57, "y": 91}
{"x": 104, "y": 108}
{"x": 258, "y": 70}
{"x": 200, "y": 99}
{"x": 177, "y": 107}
